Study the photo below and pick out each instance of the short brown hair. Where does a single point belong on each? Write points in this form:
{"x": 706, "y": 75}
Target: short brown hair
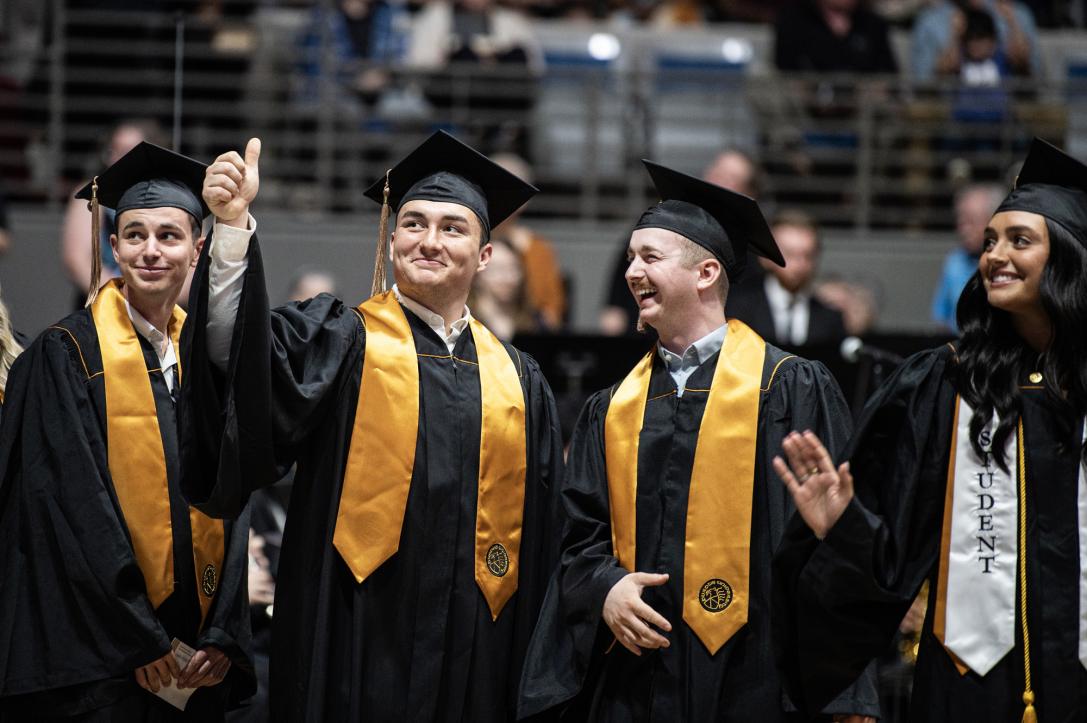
{"x": 694, "y": 254}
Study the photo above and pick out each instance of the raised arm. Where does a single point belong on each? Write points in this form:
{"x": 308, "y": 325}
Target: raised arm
{"x": 255, "y": 379}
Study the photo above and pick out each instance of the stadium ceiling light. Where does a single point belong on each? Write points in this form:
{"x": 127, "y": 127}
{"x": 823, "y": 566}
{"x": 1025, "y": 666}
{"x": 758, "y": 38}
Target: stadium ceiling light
{"x": 604, "y": 46}
{"x": 737, "y": 51}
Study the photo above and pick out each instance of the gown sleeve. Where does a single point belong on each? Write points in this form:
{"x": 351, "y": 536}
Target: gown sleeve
{"x": 228, "y": 624}
{"x": 242, "y": 430}
{"x": 804, "y": 395}
{"x": 838, "y": 602}
{"x": 542, "y": 524}
{"x": 73, "y": 603}
{"x": 567, "y": 633}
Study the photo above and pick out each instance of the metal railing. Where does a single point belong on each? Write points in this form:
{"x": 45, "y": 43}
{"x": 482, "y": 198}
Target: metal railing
{"x": 861, "y": 152}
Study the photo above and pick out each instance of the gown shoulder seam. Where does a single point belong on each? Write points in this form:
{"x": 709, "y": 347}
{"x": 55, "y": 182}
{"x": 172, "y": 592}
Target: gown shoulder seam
{"x": 79, "y": 349}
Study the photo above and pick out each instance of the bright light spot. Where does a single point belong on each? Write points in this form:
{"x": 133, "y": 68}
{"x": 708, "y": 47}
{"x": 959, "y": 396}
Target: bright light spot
{"x": 604, "y": 46}
{"x": 737, "y": 51}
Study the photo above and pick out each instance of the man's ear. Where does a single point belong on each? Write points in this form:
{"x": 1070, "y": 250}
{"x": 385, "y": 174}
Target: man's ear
{"x": 113, "y": 245}
{"x": 198, "y": 244}
{"x": 709, "y": 271}
{"x": 484, "y": 256}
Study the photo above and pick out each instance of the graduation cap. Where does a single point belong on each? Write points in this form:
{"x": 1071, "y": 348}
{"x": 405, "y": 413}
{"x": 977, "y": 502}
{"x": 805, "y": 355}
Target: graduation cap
{"x": 1052, "y": 184}
{"x": 444, "y": 169}
{"x": 148, "y": 176}
{"x": 723, "y": 222}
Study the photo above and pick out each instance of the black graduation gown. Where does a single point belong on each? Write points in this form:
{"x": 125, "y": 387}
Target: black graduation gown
{"x": 841, "y": 600}
{"x": 570, "y": 650}
{"x": 75, "y": 620}
{"x": 415, "y": 640}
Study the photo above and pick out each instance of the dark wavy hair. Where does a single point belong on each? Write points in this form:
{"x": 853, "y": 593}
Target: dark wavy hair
{"x": 993, "y": 357}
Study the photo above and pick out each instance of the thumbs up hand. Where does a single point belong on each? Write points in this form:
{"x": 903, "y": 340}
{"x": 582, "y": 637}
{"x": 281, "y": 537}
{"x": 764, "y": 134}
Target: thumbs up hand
{"x": 231, "y": 183}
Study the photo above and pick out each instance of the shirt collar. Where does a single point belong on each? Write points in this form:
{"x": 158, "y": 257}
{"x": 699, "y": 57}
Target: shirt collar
{"x": 148, "y": 331}
{"x": 434, "y": 321}
{"x": 698, "y": 352}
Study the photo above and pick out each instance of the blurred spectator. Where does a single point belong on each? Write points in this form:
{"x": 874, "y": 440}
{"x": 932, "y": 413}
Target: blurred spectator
{"x": 832, "y": 36}
{"x": 974, "y": 206}
{"x": 858, "y": 303}
{"x": 496, "y": 59}
{"x": 75, "y": 235}
{"x": 472, "y": 30}
{"x": 735, "y": 170}
{"x": 5, "y": 225}
{"x": 749, "y": 11}
{"x": 731, "y": 168}
{"x": 678, "y": 14}
{"x": 898, "y": 12}
{"x": 499, "y": 298}
{"x": 938, "y": 37}
{"x": 543, "y": 276}
{"x": 308, "y": 281}
{"x": 782, "y": 309}
{"x": 362, "y": 35}
{"x": 982, "y": 69}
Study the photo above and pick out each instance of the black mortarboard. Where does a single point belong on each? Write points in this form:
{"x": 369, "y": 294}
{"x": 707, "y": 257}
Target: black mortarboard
{"x": 1054, "y": 185}
{"x": 151, "y": 177}
{"x": 148, "y": 176}
{"x": 723, "y": 222}
{"x": 443, "y": 169}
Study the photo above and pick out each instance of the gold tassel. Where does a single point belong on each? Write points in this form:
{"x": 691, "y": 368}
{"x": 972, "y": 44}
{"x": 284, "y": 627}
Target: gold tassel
{"x": 1029, "y": 716}
{"x": 96, "y": 245}
{"x": 378, "y": 286}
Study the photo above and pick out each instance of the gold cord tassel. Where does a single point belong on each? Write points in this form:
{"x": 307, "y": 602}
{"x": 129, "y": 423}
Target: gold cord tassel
{"x": 96, "y": 245}
{"x": 1029, "y": 715}
{"x": 379, "y": 284}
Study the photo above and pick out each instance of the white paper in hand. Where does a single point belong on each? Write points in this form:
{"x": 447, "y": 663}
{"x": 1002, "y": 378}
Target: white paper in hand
{"x": 178, "y": 698}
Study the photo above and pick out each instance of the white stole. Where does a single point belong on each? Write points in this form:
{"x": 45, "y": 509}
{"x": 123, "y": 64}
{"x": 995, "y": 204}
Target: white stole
{"x": 982, "y": 551}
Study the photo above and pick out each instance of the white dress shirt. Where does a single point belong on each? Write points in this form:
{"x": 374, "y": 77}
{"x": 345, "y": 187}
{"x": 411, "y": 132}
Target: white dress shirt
{"x": 790, "y": 311}
{"x": 435, "y": 321}
{"x": 681, "y": 367}
{"x": 167, "y": 356}
{"x": 225, "y": 273}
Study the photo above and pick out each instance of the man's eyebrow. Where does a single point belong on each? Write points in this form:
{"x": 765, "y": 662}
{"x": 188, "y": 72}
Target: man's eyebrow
{"x": 130, "y": 224}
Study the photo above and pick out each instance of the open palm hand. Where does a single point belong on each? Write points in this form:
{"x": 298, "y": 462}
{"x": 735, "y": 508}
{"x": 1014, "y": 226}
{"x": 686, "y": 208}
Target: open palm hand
{"x": 820, "y": 491}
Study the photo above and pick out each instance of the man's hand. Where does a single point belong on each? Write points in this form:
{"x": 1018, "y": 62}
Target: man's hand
{"x": 157, "y": 673}
{"x": 262, "y": 586}
{"x": 207, "y": 667}
{"x": 231, "y": 183}
{"x": 629, "y": 618}
{"x": 821, "y": 494}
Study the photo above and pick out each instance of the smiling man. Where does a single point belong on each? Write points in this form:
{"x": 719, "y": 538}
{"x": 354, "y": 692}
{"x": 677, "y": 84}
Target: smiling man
{"x": 418, "y": 541}
{"x": 660, "y": 609}
{"x": 102, "y": 561}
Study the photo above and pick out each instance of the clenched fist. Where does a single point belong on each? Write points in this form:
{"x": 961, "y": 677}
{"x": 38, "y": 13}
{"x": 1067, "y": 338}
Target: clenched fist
{"x": 231, "y": 183}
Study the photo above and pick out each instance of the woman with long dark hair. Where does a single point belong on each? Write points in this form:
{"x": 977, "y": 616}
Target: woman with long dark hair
{"x": 967, "y": 470}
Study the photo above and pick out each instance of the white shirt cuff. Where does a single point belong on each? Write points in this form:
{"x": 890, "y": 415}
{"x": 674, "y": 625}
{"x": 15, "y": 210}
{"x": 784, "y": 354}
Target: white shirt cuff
{"x": 232, "y": 243}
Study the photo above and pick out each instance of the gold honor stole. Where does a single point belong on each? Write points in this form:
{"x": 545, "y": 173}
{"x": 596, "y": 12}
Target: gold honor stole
{"x": 137, "y": 463}
{"x": 381, "y": 455}
{"x": 717, "y": 550}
